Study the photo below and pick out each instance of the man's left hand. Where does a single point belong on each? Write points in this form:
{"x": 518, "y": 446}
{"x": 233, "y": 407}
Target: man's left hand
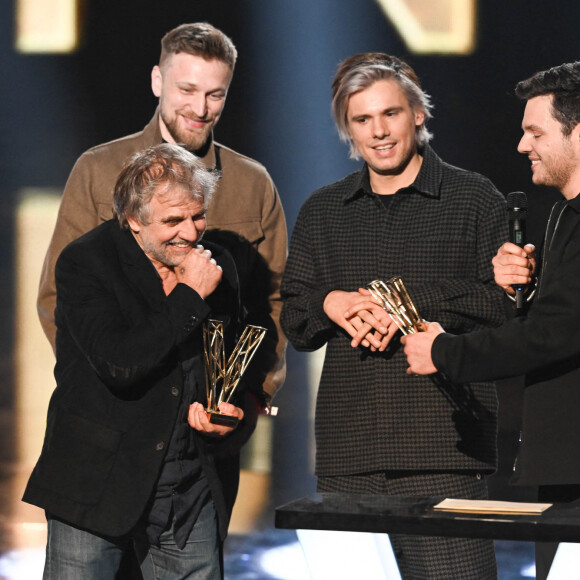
{"x": 197, "y": 418}
{"x": 418, "y": 349}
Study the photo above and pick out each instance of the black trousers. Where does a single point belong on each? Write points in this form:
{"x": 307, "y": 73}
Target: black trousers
{"x": 427, "y": 557}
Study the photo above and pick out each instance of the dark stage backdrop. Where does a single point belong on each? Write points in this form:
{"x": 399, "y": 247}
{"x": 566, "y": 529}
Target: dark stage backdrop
{"x": 52, "y": 107}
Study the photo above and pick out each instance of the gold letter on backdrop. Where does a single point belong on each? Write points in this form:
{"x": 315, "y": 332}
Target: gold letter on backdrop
{"x": 46, "y": 26}
{"x": 434, "y": 26}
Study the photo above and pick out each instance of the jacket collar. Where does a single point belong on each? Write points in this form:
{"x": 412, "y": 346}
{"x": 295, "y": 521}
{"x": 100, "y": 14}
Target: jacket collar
{"x": 574, "y": 203}
{"x": 136, "y": 266}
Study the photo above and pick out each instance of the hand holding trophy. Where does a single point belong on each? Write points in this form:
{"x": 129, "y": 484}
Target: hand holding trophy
{"x": 394, "y": 298}
{"x": 222, "y": 379}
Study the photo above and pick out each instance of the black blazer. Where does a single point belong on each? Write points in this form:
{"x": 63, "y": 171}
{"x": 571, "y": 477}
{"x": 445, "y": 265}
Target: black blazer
{"x": 545, "y": 346}
{"x": 119, "y": 380}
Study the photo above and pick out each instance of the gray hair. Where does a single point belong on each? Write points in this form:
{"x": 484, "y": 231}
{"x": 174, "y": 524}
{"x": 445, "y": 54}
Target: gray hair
{"x": 359, "y": 72}
{"x": 156, "y": 170}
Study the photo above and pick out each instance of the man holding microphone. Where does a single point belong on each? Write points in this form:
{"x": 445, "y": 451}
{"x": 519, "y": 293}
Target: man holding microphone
{"x": 544, "y": 344}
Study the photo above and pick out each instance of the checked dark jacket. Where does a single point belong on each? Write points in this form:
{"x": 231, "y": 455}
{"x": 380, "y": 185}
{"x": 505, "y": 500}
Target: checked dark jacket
{"x": 439, "y": 235}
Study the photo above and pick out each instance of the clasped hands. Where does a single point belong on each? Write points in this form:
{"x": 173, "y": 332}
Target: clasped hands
{"x": 367, "y": 323}
{"x": 370, "y": 326}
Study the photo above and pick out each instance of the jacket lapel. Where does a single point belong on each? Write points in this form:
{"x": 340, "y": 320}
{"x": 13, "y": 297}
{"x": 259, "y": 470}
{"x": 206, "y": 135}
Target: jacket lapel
{"x": 137, "y": 268}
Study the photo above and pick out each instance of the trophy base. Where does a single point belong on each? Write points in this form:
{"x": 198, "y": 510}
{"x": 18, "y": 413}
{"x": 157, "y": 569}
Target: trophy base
{"x": 218, "y": 418}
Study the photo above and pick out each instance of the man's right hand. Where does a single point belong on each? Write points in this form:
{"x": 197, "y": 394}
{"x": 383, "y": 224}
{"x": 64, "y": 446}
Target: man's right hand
{"x": 199, "y": 271}
{"x": 514, "y": 266}
{"x": 365, "y": 321}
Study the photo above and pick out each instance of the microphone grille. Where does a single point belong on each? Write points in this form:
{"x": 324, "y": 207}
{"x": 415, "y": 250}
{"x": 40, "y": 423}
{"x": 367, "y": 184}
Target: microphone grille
{"x": 517, "y": 202}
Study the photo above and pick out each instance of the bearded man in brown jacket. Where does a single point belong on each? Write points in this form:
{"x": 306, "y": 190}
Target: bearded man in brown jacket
{"x": 246, "y": 216}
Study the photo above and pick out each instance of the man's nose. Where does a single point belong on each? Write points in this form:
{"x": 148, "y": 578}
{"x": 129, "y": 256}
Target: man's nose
{"x": 524, "y": 145}
{"x": 380, "y": 128}
{"x": 190, "y": 231}
{"x": 198, "y": 104}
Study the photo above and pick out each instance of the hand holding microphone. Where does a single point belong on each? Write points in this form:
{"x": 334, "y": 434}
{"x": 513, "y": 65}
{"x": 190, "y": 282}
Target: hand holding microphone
{"x": 515, "y": 262}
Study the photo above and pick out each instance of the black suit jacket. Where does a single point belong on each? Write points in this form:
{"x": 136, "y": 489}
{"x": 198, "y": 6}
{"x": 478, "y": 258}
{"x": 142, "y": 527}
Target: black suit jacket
{"x": 119, "y": 380}
{"x": 545, "y": 346}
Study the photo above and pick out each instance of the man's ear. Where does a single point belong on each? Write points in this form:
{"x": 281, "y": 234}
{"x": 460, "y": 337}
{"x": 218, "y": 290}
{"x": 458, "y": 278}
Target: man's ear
{"x": 419, "y": 117}
{"x": 576, "y": 134}
{"x": 156, "y": 81}
{"x": 134, "y": 224}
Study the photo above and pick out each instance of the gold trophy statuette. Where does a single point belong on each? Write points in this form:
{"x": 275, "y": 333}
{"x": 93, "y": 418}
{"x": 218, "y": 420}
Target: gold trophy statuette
{"x": 221, "y": 379}
{"x": 394, "y": 298}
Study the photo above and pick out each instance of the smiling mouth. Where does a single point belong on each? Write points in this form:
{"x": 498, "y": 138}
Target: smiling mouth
{"x": 195, "y": 122}
{"x": 384, "y": 147}
{"x": 180, "y": 245}
{"x": 191, "y": 121}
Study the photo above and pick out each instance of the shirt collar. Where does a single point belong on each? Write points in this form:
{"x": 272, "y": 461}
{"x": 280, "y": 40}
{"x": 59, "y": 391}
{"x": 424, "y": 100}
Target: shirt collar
{"x": 574, "y": 203}
{"x": 427, "y": 182}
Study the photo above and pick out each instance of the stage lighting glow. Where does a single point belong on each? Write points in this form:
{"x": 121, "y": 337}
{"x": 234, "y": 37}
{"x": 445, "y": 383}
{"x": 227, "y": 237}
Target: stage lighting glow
{"x": 285, "y": 562}
{"x": 46, "y": 26}
{"x": 35, "y": 219}
{"x": 434, "y": 26}
{"x": 20, "y": 564}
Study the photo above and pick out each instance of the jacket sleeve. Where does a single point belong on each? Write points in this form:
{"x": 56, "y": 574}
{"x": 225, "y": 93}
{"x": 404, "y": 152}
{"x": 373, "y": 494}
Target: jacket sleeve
{"x": 125, "y": 351}
{"x": 471, "y": 301}
{"x": 303, "y": 318}
{"x": 548, "y": 336}
{"x": 274, "y": 249}
{"x": 77, "y": 215}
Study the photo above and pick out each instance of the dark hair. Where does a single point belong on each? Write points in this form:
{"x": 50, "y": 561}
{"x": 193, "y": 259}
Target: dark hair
{"x": 155, "y": 171}
{"x": 359, "y": 72}
{"x": 199, "y": 39}
{"x": 563, "y": 84}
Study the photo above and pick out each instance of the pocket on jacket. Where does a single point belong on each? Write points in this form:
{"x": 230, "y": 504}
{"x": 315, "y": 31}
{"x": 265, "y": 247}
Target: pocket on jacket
{"x": 78, "y": 457}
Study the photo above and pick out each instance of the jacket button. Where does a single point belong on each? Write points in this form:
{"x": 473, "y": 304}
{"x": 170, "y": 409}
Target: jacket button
{"x": 159, "y": 446}
{"x": 174, "y": 391}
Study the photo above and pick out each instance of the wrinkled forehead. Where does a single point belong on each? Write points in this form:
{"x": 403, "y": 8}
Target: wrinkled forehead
{"x": 173, "y": 195}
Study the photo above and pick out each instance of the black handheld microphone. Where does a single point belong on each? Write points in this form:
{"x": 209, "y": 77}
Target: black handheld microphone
{"x": 517, "y": 206}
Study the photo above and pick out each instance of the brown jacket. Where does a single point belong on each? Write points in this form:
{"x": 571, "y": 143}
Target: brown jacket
{"x": 245, "y": 215}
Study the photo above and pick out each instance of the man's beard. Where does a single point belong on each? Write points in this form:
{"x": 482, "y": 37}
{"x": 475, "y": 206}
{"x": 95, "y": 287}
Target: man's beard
{"x": 161, "y": 252}
{"x": 560, "y": 174}
{"x": 192, "y": 140}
